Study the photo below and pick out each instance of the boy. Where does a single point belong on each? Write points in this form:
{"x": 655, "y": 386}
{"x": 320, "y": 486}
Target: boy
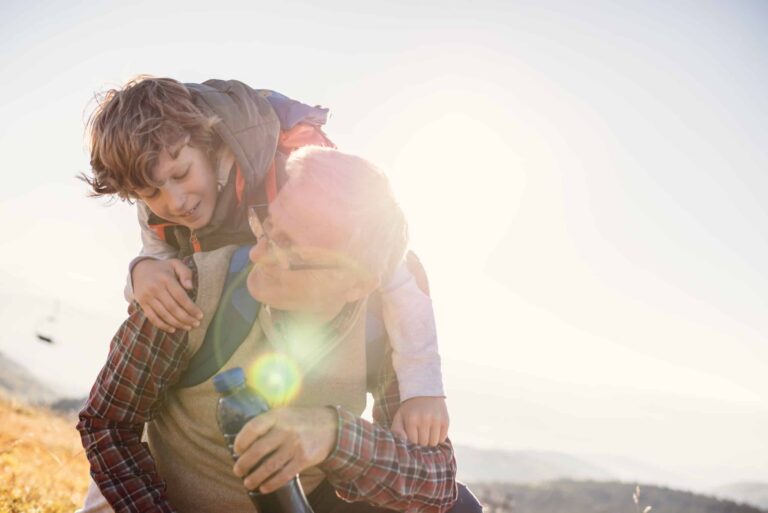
{"x": 213, "y": 149}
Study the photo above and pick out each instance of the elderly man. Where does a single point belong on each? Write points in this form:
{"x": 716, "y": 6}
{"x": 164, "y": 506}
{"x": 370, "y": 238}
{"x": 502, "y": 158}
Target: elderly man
{"x": 330, "y": 235}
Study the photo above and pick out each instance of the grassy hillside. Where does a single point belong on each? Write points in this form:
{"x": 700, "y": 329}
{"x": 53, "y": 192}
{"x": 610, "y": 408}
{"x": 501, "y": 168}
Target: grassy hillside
{"x": 42, "y": 465}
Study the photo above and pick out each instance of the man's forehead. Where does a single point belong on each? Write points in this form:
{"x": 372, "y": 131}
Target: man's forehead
{"x": 306, "y": 214}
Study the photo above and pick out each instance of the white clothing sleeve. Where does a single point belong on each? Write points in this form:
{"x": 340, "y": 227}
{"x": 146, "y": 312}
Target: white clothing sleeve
{"x": 152, "y": 246}
{"x": 95, "y": 501}
{"x": 410, "y": 323}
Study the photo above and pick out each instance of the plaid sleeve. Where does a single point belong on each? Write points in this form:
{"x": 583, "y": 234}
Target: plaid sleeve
{"x": 371, "y": 464}
{"x": 143, "y": 362}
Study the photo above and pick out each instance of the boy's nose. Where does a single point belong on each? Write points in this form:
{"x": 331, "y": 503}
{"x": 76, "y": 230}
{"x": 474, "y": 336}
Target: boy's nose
{"x": 175, "y": 200}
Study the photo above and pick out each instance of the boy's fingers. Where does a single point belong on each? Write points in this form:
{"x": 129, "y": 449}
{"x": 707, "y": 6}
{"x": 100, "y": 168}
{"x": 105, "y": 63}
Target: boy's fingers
{"x": 412, "y": 430}
{"x": 424, "y": 434}
{"x": 182, "y": 307}
{"x": 149, "y": 312}
{"x": 434, "y": 434}
{"x": 165, "y": 316}
{"x": 183, "y": 273}
{"x": 443, "y": 432}
{"x": 397, "y": 426}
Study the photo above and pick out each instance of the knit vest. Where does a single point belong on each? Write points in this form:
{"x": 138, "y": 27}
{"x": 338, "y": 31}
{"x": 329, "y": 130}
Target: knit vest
{"x": 184, "y": 438}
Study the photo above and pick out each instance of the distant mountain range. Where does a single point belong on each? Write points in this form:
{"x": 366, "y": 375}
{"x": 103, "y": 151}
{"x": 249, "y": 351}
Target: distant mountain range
{"x": 478, "y": 465}
{"x": 16, "y": 381}
{"x": 749, "y": 493}
{"x": 598, "y": 497}
{"x": 535, "y": 467}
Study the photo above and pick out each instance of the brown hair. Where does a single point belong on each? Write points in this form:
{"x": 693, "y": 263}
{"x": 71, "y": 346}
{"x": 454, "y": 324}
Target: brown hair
{"x": 131, "y": 126}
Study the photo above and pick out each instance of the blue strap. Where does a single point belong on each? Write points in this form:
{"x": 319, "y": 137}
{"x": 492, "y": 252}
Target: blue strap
{"x": 238, "y": 311}
{"x": 232, "y": 322}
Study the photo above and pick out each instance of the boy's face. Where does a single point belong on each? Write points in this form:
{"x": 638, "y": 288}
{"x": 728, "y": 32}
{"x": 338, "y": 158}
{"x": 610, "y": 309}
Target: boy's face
{"x": 186, "y": 190}
{"x": 305, "y": 228}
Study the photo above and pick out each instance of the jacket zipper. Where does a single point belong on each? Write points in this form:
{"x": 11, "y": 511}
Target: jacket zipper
{"x": 195, "y": 243}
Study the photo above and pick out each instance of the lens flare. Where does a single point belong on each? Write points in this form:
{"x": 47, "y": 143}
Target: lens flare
{"x": 276, "y": 377}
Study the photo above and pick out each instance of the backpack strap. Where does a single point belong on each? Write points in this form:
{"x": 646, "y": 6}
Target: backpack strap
{"x": 230, "y": 326}
{"x": 238, "y": 311}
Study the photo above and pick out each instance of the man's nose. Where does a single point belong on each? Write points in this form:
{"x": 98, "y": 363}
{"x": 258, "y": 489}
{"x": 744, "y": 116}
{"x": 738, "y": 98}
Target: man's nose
{"x": 262, "y": 255}
{"x": 258, "y": 251}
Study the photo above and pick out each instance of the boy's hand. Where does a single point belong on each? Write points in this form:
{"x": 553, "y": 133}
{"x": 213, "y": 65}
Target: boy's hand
{"x": 422, "y": 420}
{"x": 157, "y": 287}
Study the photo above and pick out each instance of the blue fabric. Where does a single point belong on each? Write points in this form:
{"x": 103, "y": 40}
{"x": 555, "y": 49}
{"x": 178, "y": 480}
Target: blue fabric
{"x": 243, "y": 302}
{"x": 232, "y": 322}
{"x": 235, "y": 316}
{"x": 290, "y": 112}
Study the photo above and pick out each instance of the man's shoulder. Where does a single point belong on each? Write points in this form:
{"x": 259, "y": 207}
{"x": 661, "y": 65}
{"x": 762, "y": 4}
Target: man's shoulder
{"x": 212, "y": 268}
{"x": 214, "y": 259}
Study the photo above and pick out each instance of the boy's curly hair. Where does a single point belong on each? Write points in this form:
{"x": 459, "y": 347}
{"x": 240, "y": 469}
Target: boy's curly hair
{"x": 131, "y": 126}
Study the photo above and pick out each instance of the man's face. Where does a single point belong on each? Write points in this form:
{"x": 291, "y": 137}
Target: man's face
{"x": 305, "y": 229}
{"x": 186, "y": 189}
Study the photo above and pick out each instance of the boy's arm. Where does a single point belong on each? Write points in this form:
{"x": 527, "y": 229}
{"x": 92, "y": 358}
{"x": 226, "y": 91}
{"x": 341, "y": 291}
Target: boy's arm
{"x": 152, "y": 246}
{"x": 369, "y": 463}
{"x": 143, "y": 362}
{"x": 410, "y": 323}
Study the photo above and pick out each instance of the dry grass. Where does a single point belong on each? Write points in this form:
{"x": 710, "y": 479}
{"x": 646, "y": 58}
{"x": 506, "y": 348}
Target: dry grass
{"x": 42, "y": 465}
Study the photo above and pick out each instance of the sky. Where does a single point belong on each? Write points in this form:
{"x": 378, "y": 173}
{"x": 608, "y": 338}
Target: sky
{"x": 585, "y": 183}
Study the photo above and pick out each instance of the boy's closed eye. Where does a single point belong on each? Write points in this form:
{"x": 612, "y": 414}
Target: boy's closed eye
{"x": 151, "y": 192}
{"x": 184, "y": 174}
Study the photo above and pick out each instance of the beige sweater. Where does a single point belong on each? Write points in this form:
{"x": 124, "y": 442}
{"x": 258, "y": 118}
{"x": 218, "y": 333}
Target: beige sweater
{"x": 185, "y": 440}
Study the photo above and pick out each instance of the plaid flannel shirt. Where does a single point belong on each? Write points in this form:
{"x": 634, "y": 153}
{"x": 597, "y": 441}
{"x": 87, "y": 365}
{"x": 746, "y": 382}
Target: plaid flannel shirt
{"x": 368, "y": 463}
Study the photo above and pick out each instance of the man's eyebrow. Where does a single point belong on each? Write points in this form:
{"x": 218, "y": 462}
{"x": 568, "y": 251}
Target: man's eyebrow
{"x": 275, "y": 232}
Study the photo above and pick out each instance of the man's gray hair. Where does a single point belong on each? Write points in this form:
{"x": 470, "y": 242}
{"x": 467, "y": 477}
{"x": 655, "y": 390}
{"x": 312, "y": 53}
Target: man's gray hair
{"x": 362, "y": 192}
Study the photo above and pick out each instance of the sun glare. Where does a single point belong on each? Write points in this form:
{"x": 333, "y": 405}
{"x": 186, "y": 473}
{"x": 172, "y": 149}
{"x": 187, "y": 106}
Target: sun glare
{"x": 276, "y": 377}
{"x": 458, "y": 181}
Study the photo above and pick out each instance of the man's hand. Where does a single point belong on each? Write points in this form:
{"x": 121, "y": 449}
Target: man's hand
{"x": 157, "y": 287}
{"x": 422, "y": 420}
{"x": 283, "y": 442}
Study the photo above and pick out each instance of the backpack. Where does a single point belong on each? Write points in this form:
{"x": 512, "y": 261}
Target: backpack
{"x": 236, "y": 313}
{"x": 238, "y": 310}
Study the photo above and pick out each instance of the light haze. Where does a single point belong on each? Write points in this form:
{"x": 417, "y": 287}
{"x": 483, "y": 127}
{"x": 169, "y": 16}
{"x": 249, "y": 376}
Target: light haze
{"x": 585, "y": 182}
